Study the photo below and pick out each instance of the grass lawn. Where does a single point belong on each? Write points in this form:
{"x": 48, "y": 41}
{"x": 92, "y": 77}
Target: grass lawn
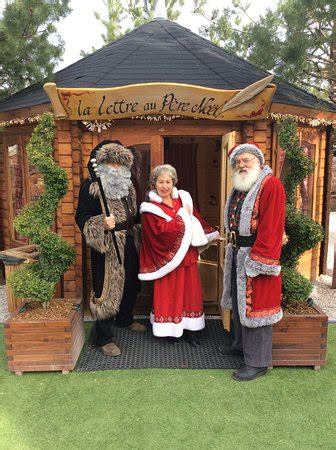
{"x": 169, "y": 409}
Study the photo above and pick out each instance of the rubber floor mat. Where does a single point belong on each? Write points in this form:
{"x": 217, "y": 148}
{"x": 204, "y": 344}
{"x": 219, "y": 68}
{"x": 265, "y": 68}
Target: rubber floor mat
{"x": 143, "y": 350}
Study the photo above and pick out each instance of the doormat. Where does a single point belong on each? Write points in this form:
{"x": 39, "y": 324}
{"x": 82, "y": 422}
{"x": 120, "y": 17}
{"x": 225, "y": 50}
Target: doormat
{"x": 143, "y": 351}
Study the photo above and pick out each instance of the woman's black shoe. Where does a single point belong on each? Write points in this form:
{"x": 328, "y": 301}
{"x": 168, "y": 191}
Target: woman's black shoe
{"x": 172, "y": 340}
{"x": 192, "y": 338}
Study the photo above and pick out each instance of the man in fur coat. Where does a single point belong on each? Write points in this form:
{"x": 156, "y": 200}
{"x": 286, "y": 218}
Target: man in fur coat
{"x": 115, "y": 285}
{"x": 254, "y": 220}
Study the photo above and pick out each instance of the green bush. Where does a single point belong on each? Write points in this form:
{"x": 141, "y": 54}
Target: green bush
{"x": 302, "y": 232}
{"x": 37, "y": 281}
{"x": 295, "y": 287}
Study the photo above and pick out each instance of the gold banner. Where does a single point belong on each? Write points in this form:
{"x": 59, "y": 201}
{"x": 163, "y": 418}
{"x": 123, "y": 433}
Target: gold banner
{"x": 175, "y": 99}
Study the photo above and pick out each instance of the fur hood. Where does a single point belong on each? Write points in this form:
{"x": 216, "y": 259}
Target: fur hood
{"x": 114, "y": 153}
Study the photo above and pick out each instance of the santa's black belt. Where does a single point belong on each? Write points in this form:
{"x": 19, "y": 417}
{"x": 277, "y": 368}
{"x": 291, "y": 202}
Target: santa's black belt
{"x": 234, "y": 238}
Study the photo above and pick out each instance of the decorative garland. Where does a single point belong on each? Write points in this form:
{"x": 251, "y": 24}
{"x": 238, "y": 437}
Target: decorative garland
{"x": 21, "y": 121}
{"x": 311, "y": 121}
{"x": 103, "y": 125}
{"x": 98, "y": 125}
{"x": 159, "y": 118}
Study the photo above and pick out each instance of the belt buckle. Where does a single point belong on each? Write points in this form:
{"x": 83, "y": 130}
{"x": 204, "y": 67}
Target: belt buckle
{"x": 233, "y": 239}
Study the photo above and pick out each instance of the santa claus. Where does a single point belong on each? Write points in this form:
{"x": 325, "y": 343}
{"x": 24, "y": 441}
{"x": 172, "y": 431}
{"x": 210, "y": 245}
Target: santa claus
{"x": 254, "y": 221}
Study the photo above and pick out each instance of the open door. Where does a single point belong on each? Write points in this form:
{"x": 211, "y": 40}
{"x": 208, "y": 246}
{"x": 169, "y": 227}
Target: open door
{"x": 228, "y": 141}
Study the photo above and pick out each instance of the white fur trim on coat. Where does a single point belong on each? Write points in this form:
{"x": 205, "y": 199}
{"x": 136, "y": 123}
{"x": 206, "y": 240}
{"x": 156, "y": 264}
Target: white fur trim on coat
{"x": 212, "y": 236}
{"x": 198, "y": 236}
{"x": 259, "y": 268}
{"x": 154, "y": 196}
{"x": 175, "y": 193}
{"x": 181, "y": 252}
{"x": 154, "y": 209}
{"x": 176, "y": 329}
{"x": 249, "y": 322}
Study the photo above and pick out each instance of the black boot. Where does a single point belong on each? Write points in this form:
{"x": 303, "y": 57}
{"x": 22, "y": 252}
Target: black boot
{"x": 230, "y": 351}
{"x": 192, "y": 337}
{"x": 249, "y": 373}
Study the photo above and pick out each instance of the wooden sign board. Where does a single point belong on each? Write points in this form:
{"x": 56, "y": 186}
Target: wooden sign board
{"x": 176, "y": 99}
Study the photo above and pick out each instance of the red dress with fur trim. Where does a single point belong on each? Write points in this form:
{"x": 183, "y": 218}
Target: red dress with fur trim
{"x": 177, "y": 290}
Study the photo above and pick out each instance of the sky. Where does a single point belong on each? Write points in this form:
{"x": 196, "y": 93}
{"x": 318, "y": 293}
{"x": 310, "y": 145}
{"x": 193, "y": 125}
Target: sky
{"x": 81, "y": 30}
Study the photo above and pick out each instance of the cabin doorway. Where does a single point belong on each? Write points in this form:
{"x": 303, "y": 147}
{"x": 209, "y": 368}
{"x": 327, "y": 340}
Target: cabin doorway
{"x": 201, "y": 167}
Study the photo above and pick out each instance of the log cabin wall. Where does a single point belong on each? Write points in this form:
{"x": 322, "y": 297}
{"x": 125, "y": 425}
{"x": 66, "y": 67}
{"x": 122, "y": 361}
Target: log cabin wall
{"x": 74, "y": 143}
{"x": 3, "y": 209}
{"x": 4, "y": 238}
{"x": 310, "y": 261}
{"x": 65, "y": 155}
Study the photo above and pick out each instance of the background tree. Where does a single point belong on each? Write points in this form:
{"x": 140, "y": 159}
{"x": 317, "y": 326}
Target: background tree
{"x": 136, "y": 11}
{"x": 115, "y": 15}
{"x": 26, "y": 53}
{"x": 296, "y": 40}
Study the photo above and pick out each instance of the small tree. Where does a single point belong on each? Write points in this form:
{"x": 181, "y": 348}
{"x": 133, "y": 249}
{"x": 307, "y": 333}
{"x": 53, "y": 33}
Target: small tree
{"x": 30, "y": 48}
{"x": 302, "y": 232}
{"x": 37, "y": 280}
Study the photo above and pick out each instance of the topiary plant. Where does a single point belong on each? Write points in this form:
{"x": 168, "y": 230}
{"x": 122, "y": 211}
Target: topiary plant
{"x": 302, "y": 232}
{"x": 37, "y": 281}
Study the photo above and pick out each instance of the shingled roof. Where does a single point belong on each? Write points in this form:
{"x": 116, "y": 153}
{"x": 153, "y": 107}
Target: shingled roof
{"x": 162, "y": 51}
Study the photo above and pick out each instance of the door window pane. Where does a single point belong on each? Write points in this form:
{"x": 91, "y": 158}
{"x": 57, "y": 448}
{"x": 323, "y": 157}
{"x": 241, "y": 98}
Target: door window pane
{"x": 36, "y": 185}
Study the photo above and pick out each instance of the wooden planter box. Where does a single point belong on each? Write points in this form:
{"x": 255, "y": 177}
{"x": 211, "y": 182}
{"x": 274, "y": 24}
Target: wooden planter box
{"x": 301, "y": 340}
{"x": 44, "y": 345}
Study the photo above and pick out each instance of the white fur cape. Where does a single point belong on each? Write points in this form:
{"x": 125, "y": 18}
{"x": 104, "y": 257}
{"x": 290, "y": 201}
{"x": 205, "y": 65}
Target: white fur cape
{"x": 194, "y": 234}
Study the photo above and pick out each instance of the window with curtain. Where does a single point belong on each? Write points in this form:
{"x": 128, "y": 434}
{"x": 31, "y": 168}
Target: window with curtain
{"x": 16, "y": 185}
{"x": 304, "y": 195}
{"x": 25, "y": 183}
{"x": 305, "y": 190}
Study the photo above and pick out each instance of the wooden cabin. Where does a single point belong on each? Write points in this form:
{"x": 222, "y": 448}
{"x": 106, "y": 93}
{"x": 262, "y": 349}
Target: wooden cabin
{"x": 169, "y": 55}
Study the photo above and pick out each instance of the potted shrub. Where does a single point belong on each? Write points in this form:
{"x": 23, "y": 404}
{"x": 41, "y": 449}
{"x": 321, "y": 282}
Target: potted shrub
{"x": 44, "y": 333}
{"x": 300, "y": 338}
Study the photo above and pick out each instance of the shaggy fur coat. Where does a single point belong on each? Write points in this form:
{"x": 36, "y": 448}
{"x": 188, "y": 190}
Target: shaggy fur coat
{"x": 108, "y": 276}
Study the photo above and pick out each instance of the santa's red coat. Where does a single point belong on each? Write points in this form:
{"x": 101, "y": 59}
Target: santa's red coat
{"x": 259, "y": 296}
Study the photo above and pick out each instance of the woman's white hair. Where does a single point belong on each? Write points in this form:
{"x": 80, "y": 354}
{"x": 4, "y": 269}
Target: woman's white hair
{"x": 166, "y": 169}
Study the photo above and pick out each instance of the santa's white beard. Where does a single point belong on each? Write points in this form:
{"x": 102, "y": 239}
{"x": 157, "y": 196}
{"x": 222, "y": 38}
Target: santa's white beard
{"x": 244, "y": 180}
{"x": 116, "y": 181}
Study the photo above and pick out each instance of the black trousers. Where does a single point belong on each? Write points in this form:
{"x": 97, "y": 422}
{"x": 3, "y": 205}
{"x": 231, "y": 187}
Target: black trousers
{"x": 102, "y": 332}
{"x": 255, "y": 343}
